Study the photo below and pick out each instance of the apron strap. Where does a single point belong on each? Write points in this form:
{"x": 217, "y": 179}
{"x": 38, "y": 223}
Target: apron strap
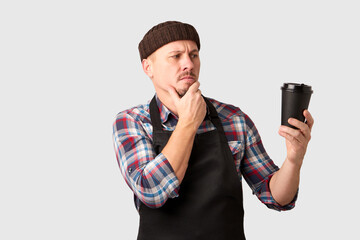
{"x": 214, "y": 117}
{"x": 155, "y": 115}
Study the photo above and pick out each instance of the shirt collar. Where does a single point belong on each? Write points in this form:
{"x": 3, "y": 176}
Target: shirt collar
{"x": 165, "y": 113}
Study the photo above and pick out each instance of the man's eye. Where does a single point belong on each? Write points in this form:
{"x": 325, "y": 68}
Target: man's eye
{"x": 175, "y": 56}
{"x": 194, "y": 55}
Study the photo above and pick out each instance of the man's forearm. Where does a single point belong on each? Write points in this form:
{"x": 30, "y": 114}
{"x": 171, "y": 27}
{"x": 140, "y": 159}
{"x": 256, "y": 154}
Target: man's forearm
{"x": 191, "y": 110}
{"x": 285, "y": 182}
{"x": 178, "y": 149}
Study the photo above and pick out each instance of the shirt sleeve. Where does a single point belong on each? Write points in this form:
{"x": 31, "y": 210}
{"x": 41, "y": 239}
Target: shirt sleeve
{"x": 150, "y": 176}
{"x": 257, "y": 168}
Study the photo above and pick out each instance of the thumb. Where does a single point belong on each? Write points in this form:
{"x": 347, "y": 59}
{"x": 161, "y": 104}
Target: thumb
{"x": 194, "y": 87}
{"x": 174, "y": 95}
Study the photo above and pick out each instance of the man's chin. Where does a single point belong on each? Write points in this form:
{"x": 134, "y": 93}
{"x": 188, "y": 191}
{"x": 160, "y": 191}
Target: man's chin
{"x": 181, "y": 92}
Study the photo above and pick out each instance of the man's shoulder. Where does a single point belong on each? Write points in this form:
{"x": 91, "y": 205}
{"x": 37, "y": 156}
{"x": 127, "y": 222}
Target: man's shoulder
{"x": 226, "y": 110}
{"x": 136, "y": 113}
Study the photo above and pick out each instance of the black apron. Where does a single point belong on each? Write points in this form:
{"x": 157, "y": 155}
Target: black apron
{"x": 210, "y": 204}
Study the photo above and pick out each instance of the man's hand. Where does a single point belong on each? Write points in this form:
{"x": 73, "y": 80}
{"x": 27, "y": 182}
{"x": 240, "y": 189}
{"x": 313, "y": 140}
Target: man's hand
{"x": 191, "y": 108}
{"x": 285, "y": 182}
{"x": 297, "y": 139}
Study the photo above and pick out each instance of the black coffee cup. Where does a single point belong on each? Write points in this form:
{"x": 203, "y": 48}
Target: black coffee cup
{"x": 295, "y": 99}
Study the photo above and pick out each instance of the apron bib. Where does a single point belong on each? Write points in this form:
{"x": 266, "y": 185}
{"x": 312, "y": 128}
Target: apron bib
{"x": 210, "y": 202}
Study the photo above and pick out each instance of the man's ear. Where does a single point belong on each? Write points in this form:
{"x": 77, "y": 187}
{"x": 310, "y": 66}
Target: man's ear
{"x": 147, "y": 67}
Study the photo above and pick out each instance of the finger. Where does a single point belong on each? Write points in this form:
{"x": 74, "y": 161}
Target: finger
{"x": 194, "y": 87}
{"x": 289, "y": 138}
{"x": 309, "y": 119}
{"x": 303, "y": 127}
{"x": 174, "y": 95}
{"x": 291, "y": 133}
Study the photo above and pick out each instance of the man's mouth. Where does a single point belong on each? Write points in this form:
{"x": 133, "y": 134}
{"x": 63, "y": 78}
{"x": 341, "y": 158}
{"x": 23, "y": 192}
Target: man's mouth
{"x": 188, "y": 76}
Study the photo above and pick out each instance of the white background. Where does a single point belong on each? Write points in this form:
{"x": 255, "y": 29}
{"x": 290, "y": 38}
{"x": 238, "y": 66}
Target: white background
{"x": 68, "y": 67}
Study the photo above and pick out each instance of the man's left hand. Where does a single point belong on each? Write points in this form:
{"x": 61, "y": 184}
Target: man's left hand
{"x": 297, "y": 139}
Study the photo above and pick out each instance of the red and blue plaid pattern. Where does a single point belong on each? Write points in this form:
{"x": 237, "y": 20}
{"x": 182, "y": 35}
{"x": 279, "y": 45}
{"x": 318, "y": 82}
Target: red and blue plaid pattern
{"x": 151, "y": 176}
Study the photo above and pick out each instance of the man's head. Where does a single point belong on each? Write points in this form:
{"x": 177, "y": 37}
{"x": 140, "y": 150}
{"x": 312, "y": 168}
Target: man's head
{"x": 170, "y": 56}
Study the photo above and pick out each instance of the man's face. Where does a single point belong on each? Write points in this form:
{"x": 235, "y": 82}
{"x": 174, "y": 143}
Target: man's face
{"x": 176, "y": 65}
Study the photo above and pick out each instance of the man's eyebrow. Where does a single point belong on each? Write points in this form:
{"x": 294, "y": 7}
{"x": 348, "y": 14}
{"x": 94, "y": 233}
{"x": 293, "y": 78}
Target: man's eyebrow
{"x": 181, "y": 51}
{"x": 175, "y": 51}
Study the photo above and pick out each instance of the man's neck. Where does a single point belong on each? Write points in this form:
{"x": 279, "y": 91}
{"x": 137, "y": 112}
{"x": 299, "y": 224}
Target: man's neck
{"x": 165, "y": 99}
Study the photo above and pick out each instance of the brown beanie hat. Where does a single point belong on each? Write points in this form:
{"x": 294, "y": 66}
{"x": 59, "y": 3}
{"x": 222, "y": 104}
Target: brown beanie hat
{"x": 165, "y": 33}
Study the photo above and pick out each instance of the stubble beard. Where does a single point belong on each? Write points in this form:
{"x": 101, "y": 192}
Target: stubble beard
{"x": 182, "y": 91}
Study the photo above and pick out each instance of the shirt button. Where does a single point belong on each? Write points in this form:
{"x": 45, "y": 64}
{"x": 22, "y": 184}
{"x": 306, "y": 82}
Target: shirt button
{"x": 130, "y": 170}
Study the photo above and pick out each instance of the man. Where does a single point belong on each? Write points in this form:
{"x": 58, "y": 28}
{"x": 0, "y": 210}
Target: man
{"x": 184, "y": 155}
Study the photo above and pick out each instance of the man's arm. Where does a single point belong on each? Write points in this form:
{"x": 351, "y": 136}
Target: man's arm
{"x": 149, "y": 176}
{"x": 285, "y": 182}
{"x": 154, "y": 178}
{"x": 191, "y": 110}
{"x": 257, "y": 167}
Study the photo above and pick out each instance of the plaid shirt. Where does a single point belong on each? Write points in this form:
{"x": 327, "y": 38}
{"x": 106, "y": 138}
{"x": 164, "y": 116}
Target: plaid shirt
{"x": 151, "y": 176}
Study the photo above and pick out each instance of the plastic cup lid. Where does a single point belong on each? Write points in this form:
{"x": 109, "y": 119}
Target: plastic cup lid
{"x": 297, "y": 87}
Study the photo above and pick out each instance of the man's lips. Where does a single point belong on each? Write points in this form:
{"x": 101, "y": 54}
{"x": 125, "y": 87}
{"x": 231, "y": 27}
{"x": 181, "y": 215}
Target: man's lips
{"x": 187, "y": 78}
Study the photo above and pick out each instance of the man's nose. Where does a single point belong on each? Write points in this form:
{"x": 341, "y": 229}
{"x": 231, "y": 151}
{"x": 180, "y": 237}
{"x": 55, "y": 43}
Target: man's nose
{"x": 187, "y": 63}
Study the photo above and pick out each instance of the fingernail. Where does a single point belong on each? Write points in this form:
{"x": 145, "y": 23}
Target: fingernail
{"x": 291, "y": 120}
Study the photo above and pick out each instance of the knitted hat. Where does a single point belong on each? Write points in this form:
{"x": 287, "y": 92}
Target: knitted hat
{"x": 165, "y": 33}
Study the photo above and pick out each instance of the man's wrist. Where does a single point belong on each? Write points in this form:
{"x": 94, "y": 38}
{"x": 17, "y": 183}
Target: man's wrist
{"x": 293, "y": 165}
{"x": 188, "y": 126}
